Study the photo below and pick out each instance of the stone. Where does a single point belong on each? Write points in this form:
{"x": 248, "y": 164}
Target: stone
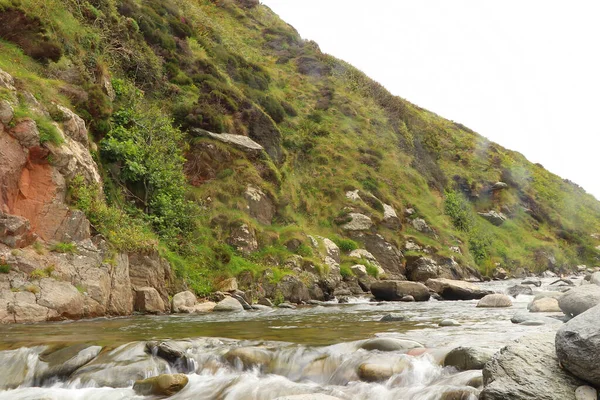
{"x": 15, "y": 231}
{"x": 228, "y": 285}
{"x": 229, "y": 304}
{"x": 366, "y": 255}
{"x": 263, "y": 301}
{"x": 495, "y": 300}
{"x": 553, "y": 295}
{"x": 249, "y": 356}
{"x": 7, "y": 81}
{"x": 260, "y": 206}
{"x": 149, "y": 269}
{"x": 353, "y": 195}
{"x": 499, "y": 186}
{"x": 26, "y": 132}
{"x": 359, "y": 270}
{"x": 579, "y": 299}
{"x": 456, "y": 290}
{"x": 390, "y": 218}
{"x": 73, "y": 126}
{"x": 468, "y": 358}
{"x": 62, "y": 297}
{"x": 396, "y": 290}
{"x": 204, "y": 307}
{"x": 6, "y": 112}
{"x": 545, "y": 304}
{"x": 449, "y": 322}
{"x": 240, "y": 142}
{"x": 595, "y": 278}
{"x": 422, "y": 269}
{"x": 500, "y": 273}
{"x": 358, "y": 222}
{"x": 331, "y": 249}
{"x": 548, "y": 274}
{"x": 409, "y": 211}
{"x": 148, "y": 300}
{"x": 586, "y": 393}
{"x": 578, "y": 345}
{"x": 389, "y": 344}
{"x": 243, "y": 239}
{"x": 420, "y": 225}
{"x": 292, "y": 289}
{"x": 494, "y": 217}
{"x": 532, "y": 281}
{"x": 388, "y": 256}
{"x": 528, "y": 369}
{"x": 287, "y": 306}
{"x": 407, "y": 298}
{"x": 371, "y": 372}
{"x": 311, "y": 396}
{"x": 182, "y": 301}
{"x": 161, "y": 385}
{"x": 516, "y": 290}
{"x": 393, "y": 318}
{"x": 63, "y": 362}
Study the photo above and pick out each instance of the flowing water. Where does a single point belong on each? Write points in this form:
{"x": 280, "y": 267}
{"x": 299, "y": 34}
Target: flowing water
{"x": 307, "y": 350}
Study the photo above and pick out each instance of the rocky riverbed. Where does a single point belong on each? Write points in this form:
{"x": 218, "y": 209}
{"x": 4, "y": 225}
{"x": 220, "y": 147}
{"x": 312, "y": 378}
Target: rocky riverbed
{"x": 421, "y": 350}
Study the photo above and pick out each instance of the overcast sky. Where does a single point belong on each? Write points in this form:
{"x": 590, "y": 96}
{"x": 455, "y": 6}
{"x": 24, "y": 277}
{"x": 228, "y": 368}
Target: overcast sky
{"x": 525, "y": 74}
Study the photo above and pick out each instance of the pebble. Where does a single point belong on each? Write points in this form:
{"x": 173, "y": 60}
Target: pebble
{"x": 586, "y": 393}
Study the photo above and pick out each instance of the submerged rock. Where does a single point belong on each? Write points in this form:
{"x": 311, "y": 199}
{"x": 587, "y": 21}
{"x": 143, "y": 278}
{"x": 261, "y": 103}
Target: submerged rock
{"x": 449, "y": 322}
{"x": 393, "y": 318}
{"x": 312, "y": 396}
{"x": 528, "y": 369}
{"x": 390, "y": 344}
{"x": 516, "y": 290}
{"x": 162, "y": 385}
{"x": 372, "y": 372}
{"x": 495, "y": 300}
{"x": 468, "y": 358}
{"x": 248, "y": 356}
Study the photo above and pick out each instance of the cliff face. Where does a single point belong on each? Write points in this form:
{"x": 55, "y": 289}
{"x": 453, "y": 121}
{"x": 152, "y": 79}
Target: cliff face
{"x": 212, "y": 133}
{"x": 53, "y": 267}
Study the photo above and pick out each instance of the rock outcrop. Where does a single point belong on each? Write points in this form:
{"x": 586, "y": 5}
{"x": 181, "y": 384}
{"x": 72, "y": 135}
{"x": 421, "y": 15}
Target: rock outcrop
{"x": 450, "y": 289}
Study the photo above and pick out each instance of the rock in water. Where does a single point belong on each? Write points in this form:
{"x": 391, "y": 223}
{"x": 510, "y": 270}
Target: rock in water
{"x": 468, "y": 358}
{"x": 449, "y": 322}
{"x": 546, "y": 304}
{"x": 579, "y": 299}
{"x": 162, "y": 385}
{"x": 516, "y": 290}
{"x": 396, "y": 290}
{"x": 390, "y": 344}
{"x": 528, "y": 370}
{"x": 578, "y": 345}
{"x": 495, "y": 300}
{"x": 451, "y": 289}
{"x": 183, "y": 301}
{"x": 393, "y": 318}
{"x": 311, "y": 396}
{"x": 229, "y": 304}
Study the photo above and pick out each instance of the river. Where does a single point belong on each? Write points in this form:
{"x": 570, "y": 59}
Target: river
{"x": 315, "y": 349}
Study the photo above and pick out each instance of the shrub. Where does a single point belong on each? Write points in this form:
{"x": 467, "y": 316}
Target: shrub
{"x": 4, "y": 268}
{"x": 38, "y": 274}
{"x": 346, "y": 245}
{"x": 69, "y": 248}
{"x": 48, "y": 132}
{"x": 459, "y": 211}
{"x": 272, "y": 107}
{"x": 345, "y": 271}
{"x": 372, "y": 270}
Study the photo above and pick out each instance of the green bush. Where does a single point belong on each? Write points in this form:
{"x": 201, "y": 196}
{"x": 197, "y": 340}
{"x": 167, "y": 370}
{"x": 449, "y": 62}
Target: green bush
{"x": 345, "y": 271}
{"x": 372, "y": 270}
{"x": 62, "y": 247}
{"x": 346, "y": 245}
{"x": 4, "y": 268}
{"x": 48, "y": 132}
{"x": 459, "y": 211}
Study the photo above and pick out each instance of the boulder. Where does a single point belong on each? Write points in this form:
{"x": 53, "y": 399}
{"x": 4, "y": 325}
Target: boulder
{"x": 366, "y": 255}
{"x": 421, "y": 226}
{"x": 6, "y": 112}
{"x": 263, "y": 301}
{"x": 449, "y": 322}
{"x": 528, "y": 369}
{"x": 161, "y": 385}
{"x": 499, "y": 186}
{"x": 394, "y": 317}
{"x": 26, "y": 132}
{"x": 359, "y": 270}
{"x": 228, "y": 285}
{"x": 407, "y": 298}
{"x": 456, "y": 290}
{"x": 516, "y": 290}
{"x": 545, "y": 304}
{"x": 64, "y": 361}
{"x": 183, "y": 301}
{"x": 468, "y": 358}
{"x": 388, "y": 256}
{"x": 260, "y": 206}
{"x": 204, "y": 307}
{"x": 240, "y": 142}
{"x": 148, "y": 300}
{"x": 422, "y": 269}
{"x": 353, "y": 195}
{"x": 62, "y": 297}
{"x": 390, "y": 218}
{"x": 358, "y": 222}
{"x": 548, "y": 274}
{"x": 396, "y": 290}
{"x": 578, "y": 345}
{"x": 532, "y": 281}
{"x": 371, "y": 372}
{"x": 595, "y": 278}
{"x": 389, "y": 344}
{"x": 248, "y": 356}
{"x": 500, "y": 273}
{"x": 586, "y": 393}
{"x": 494, "y": 217}
{"x": 495, "y": 300}
{"x": 229, "y": 304}
{"x": 579, "y": 299}
{"x": 243, "y": 239}
{"x": 15, "y": 231}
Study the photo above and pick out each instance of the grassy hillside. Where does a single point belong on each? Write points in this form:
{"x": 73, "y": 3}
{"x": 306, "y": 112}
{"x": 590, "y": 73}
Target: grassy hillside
{"x": 147, "y": 74}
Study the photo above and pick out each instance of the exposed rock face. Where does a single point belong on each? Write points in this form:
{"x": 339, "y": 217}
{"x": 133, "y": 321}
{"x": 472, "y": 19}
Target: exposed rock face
{"x": 421, "y": 225}
{"x": 147, "y": 300}
{"x": 15, "y": 231}
{"x": 494, "y": 217}
{"x": 243, "y": 143}
{"x": 364, "y": 254}
{"x": 389, "y": 344}
{"x": 259, "y": 205}
{"x": 579, "y": 299}
{"x": 390, "y": 218}
{"x": 228, "y": 285}
{"x": 528, "y": 369}
{"x": 495, "y": 300}
{"x": 387, "y": 255}
{"x": 243, "y": 239}
{"x": 396, "y": 290}
{"x": 421, "y": 269}
{"x": 456, "y": 290}
{"x": 358, "y": 222}
{"x": 62, "y": 297}
{"x": 148, "y": 269}
{"x": 578, "y": 345}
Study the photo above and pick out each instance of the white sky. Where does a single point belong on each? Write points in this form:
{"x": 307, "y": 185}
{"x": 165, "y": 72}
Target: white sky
{"x": 525, "y": 74}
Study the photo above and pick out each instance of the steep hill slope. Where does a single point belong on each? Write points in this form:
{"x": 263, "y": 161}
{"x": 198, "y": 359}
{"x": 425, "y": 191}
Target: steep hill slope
{"x": 315, "y": 148}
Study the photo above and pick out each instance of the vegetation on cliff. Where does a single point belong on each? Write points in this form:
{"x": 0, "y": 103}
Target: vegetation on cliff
{"x": 149, "y": 76}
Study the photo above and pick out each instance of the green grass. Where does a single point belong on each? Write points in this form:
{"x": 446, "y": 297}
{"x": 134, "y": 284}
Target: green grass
{"x": 5, "y": 268}
{"x": 67, "y": 248}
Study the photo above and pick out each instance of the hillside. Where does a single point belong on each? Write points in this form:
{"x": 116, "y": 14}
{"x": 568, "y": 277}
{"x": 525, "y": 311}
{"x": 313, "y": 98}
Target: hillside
{"x": 316, "y": 153}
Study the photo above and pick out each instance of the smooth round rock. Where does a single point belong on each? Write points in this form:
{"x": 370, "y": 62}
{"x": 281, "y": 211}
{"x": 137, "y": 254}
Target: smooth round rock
{"x": 390, "y": 344}
{"x": 449, "y": 322}
{"x": 495, "y": 300}
{"x": 586, "y": 393}
{"x": 393, "y": 318}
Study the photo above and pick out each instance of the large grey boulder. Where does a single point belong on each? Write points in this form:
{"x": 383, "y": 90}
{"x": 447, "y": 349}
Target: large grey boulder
{"x": 259, "y": 205}
{"x": 148, "y": 300}
{"x": 229, "y": 304}
{"x": 451, "y": 289}
{"x": 390, "y": 218}
{"x": 578, "y": 345}
{"x": 526, "y": 370}
{"x": 389, "y": 344}
{"x": 579, "y": 299}
{"x": 396, "y": 290}
{"x": 545, "y": 304}
{"x": 422, "y": 269}
{"x": 358, "y": 222}
{"x": 516, "y": 290}
{"x": 183, "y": 302}
{"x": 495, "y": 300}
